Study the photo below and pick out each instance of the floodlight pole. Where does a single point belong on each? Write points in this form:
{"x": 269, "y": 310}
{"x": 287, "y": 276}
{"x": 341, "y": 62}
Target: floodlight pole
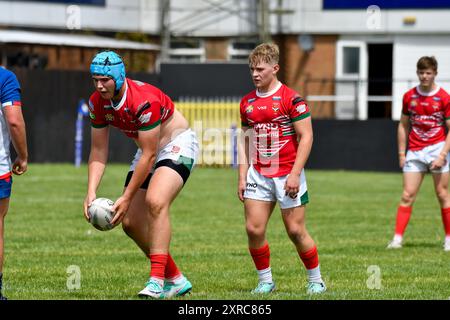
{"x": 263, "y": 21}
{"x": 165, "y": 29}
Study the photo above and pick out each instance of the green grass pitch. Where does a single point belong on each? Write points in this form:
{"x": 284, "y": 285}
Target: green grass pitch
{"x": 351, "y": 217}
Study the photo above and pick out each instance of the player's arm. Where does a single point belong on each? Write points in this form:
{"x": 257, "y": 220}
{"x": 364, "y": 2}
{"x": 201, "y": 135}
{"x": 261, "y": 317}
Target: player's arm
{"x": 16, "y": 124}
{"x": 148, "y": 141}
{"x": 96, "y": 164}
{"x": 402, "y": 138}
{"x": 303, "y": 129}
{"x": 441, "y": 160}
{"x": 243, "y": 160}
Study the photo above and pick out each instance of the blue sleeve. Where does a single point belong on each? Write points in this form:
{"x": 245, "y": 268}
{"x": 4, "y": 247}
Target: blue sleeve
{"x": 9, "y": 88}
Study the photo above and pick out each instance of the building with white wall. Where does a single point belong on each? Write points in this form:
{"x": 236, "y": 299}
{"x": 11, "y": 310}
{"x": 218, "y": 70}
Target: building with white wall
{"x": 351, "y": 58}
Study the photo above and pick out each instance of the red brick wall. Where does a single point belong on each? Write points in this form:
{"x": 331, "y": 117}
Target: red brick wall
{"x": 300, "y": 70}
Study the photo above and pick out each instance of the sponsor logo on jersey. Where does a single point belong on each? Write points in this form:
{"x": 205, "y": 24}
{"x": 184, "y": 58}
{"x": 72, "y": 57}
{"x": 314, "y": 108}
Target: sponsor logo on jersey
{"x": 251, "y": 100}
{"x": 145, "y": 117}
{"x": 249, "y": 109}
{"x": 92, "y": 116}
{"x": 276, "y": 98}
{"x": 413, "y": 104}
{"x": 415, "y": 96}
{"x": 435, "y": 107}
{"x": 301, "y": 108}
{"x": 262, "y": 107}
{"x": 425, "y": 104}
{"x": 107, "y": 106}
{"x": 436, "y": 98}
{"x": 266, "y": 126}
{"x": 175, "y": 149}
{"x": 109, "y": 117}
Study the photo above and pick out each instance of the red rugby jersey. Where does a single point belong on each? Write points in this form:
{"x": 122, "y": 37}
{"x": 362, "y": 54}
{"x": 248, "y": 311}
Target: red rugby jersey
{"x": 273, "y": 143}
{"x": 427, "y": 114}
{"x": 142, "y": 107}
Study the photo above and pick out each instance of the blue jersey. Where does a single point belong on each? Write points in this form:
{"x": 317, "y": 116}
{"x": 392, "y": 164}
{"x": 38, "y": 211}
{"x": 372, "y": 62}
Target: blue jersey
{"x": 9, "y": 98}
{"x": 9, "y": 88}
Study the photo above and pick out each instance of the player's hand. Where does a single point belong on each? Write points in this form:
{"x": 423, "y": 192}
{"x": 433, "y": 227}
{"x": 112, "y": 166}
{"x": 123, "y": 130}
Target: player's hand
{"x": 19, "y": 166}
{"x": 87, "y": 203}
{"x": 439, "y": 162}
{"x": 241, "y": 189}
{"x": 401, "y": 160}
{"x": 292, "y": 185}
{"x": 120, "y": 208}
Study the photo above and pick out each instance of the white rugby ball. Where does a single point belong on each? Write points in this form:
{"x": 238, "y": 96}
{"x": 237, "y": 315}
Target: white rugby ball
{"x": 100, "y": 214}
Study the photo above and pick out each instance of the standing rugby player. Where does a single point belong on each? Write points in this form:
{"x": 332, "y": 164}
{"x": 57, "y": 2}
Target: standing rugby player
{"x": 425, "y": 116}
{"x": 277, "y": 140}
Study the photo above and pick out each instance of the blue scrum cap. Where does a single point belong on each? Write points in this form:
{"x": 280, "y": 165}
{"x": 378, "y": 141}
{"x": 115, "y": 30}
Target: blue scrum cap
{"x": 109, "y": 64}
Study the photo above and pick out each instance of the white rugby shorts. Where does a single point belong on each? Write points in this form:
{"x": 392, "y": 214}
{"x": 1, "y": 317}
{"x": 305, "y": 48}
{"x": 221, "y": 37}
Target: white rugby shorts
{"x": 420, "y": 160}
{"x": 262, "y": 188}
{"x": 183, "y": 148}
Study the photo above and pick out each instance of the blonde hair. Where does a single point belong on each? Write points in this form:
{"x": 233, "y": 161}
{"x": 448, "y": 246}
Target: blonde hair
{"x": 427, "y": 63}
{"x": 265, "y": 52}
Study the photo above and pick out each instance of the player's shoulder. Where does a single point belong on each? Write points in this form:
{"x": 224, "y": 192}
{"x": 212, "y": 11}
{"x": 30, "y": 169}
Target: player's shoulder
{"x": 249, "y": 95}
{"x": 249, "y": 98}
{"x": 411, "y": 93}
{"x": 143, "y": 87}
{"x": 442, "y": 93}
{"x": 96, "y": 102}
{"x": 7, "y": 75}
{"x": 291, "y": 96}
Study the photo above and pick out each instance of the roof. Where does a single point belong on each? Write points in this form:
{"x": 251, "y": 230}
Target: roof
{"x": 68, "y": 39}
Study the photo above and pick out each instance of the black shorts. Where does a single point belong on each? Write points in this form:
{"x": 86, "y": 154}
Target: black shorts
{"x": 178, "y": 167}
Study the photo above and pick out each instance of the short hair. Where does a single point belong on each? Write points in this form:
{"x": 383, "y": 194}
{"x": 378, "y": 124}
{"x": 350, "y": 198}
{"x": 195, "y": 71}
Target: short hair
{"x": 265, "y": 52}
{"x": 426, "y": 62}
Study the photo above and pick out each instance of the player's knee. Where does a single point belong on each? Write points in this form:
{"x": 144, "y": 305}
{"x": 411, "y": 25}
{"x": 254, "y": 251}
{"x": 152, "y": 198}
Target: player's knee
{"x": 127, "y": 225}
{"x": 408, "y": 197}
{"x": 155, "y": 206}
{"x": 297, "y": 233}
{"x": 255, "y": 231}
{"x": 442, "y": 194}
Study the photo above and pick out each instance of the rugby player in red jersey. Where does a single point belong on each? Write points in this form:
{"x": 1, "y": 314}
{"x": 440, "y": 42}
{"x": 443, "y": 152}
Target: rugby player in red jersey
{"x": 167, "y": 151}
{"x": 277, "y": 140}
{"x": 422, "y": 128}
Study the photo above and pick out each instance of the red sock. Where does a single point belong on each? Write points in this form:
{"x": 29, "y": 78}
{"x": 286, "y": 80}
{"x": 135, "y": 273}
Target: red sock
{"x": 446, "y": 220}
{"x": 158, "y": 265}
{"x": 310, "y": 258}
{"x": 261, "y": 257}
{"x": 403, "y": 215}
{"x": 172, "y": 270}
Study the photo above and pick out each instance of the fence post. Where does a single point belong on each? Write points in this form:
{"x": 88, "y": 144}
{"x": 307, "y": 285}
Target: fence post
{"x": 82, "y": 110}
{"x": 234, "y": 145}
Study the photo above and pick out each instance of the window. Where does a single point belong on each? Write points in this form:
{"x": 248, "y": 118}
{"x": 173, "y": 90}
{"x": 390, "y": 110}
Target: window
{"x": 351, "y": 60}
{"x": 189, "y": 50}
{"x": 239, "y": 50}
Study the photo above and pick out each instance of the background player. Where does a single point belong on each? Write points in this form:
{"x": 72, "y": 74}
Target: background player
{"x": 274, "y": 117}
{"x": 162, "y": 164}
{"x": 12, "y": 128}
{"x": 425, "y": 116}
